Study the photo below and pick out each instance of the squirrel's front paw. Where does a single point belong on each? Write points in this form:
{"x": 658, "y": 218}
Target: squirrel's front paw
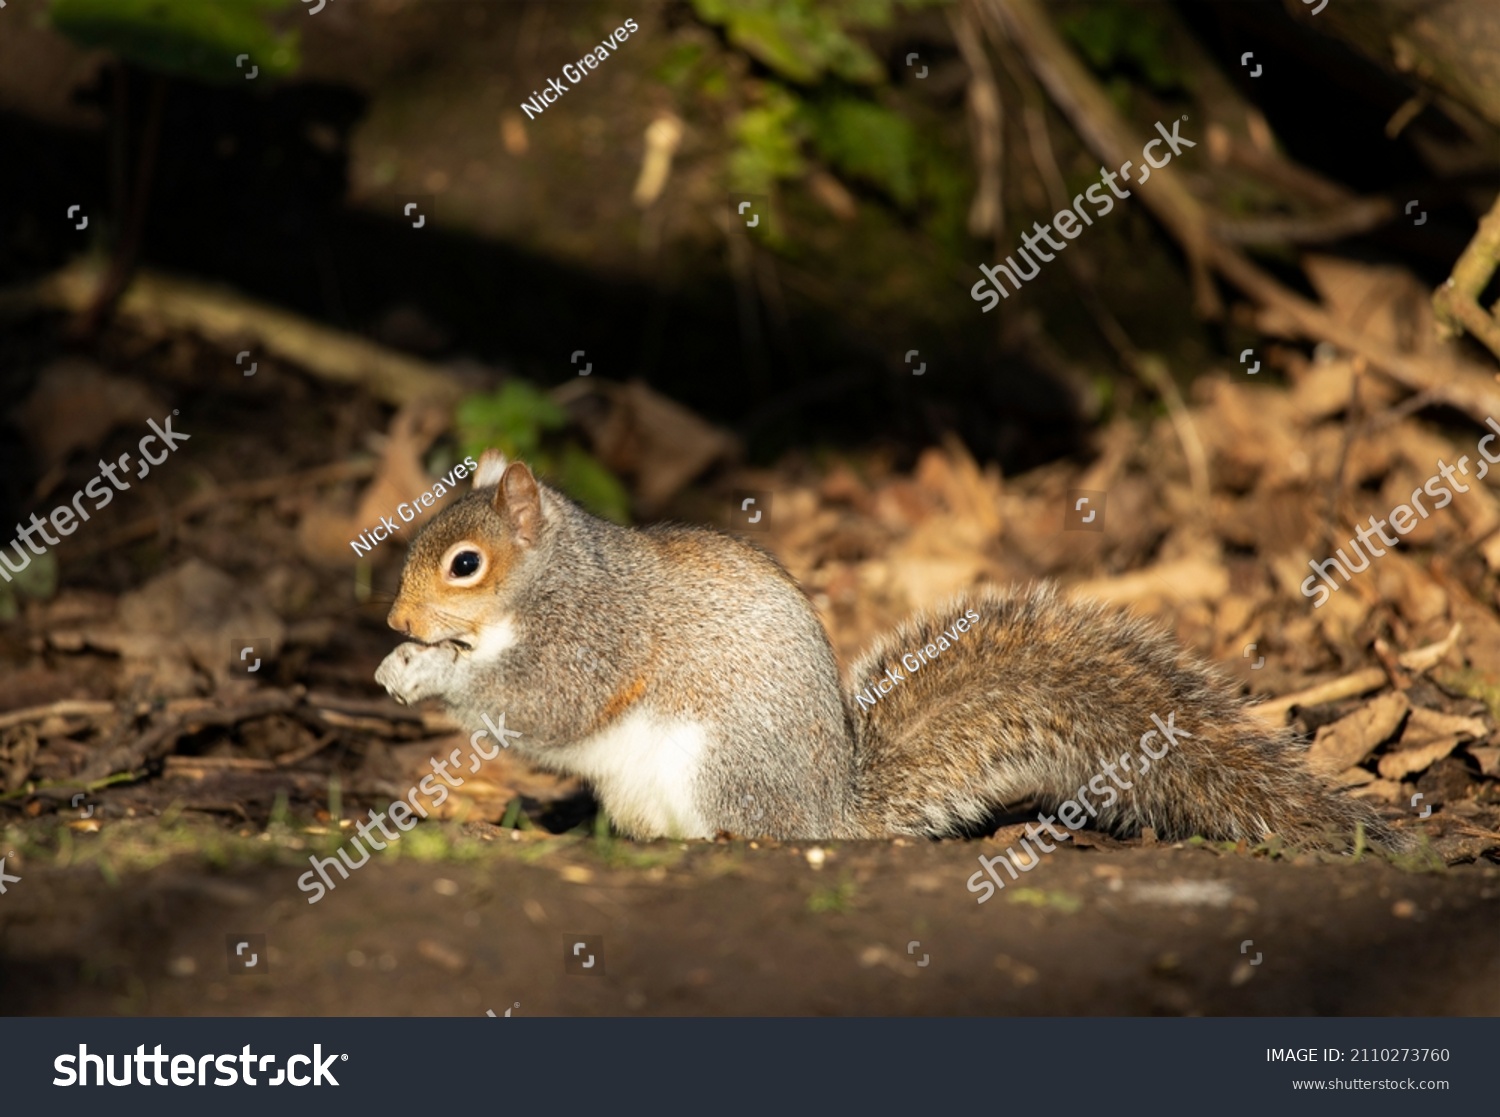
{"x": 416, "y": 671}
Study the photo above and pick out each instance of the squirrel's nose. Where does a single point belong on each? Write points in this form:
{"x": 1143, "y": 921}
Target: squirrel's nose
{"x": 399, "y": 621}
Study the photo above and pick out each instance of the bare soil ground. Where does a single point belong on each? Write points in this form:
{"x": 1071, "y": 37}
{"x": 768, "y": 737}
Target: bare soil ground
{"x": 728, "y": 928}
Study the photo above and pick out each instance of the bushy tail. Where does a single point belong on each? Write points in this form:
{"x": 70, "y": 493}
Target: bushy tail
{"x": 1008, "y": 696}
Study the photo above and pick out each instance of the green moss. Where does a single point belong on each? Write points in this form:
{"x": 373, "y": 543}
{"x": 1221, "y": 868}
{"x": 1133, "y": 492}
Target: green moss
{"x": 1037, "y": 898}
{"x": 1469, "y": 683}
{"x": 836, "y": 898}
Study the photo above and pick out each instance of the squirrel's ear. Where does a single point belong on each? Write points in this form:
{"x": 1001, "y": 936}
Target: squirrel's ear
{"x": 491, "y": 469}
{"x": 523, "y": 500}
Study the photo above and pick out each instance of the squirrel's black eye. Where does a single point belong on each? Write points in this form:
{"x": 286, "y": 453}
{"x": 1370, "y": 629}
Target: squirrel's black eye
{"x": 464, "y": 564}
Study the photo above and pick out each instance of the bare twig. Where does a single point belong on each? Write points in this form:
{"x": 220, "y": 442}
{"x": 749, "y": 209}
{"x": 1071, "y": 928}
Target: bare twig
{"x": 159, "y": 738}
{"x": 312, "y": 748}
{"x": 1358, "y": 682}
{"x": 68, "y": 708}
{"x": 264, "y": 488}
{"x": 1457, "y": 301}
{"x": 231, "y": 320}
{"x": 1409, "y": 111}
{"x": 1150, "y": 369}
{"x": 1346, "y": 686}
{"x": 987, "y": 212}
{"x": 128, "y": 247}
{"x": 198, "y": 765}
{"x": 1358, "y": 216}
{"x": 1458, "y": 384}
{"x": 1086, "y": 105}
{"x": 1265, "y": 163}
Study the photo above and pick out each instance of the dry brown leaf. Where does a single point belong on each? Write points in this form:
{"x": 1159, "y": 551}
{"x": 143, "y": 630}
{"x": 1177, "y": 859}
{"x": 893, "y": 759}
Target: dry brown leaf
{"x": 1477, "y": 509}
{"x": 1349, "y": 740}
{"x": 1426, "y": 658}
{"x": 325, "y": 533}
{"x": 1488, "y": 757}
{"x": 1426, "y": 726}
{"x": 971, "y": 495}
{"x": 1326, "y": 387}
{"x": 1428, "y": 737}
{"x": 1383, "y": 791}
{"x": 1387, "y": 304}
{"x": 1252, "y": 434}
{"x": 1404, "y": 762}
{"x": 1490, "y": 549}
{"x": 640, "y": 434}
{"x": 1355, "y": 777}
{"x": 1190, "y": 579}
{"x": 1342, "y": 616}
{"x": 183, "y": 620}
{"x": 18, "y": 749}
{"x": 1420, "y": 599}
{"x": 1272, "y": 521}
{"x": 76, "y": 403}
{"x": 923, "y": 577}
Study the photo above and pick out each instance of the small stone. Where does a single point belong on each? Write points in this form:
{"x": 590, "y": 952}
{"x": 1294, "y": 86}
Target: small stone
{"x": 184, "y": 965}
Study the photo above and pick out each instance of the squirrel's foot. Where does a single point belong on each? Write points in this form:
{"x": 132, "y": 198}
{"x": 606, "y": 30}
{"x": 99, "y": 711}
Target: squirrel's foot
{"x": 416, "y": 671}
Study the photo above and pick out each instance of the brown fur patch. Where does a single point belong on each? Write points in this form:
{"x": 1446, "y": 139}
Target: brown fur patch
{"x": 622, "y": 700}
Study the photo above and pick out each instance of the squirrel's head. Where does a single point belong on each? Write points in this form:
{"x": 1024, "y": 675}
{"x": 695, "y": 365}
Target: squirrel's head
{"x": 453, "y": 584}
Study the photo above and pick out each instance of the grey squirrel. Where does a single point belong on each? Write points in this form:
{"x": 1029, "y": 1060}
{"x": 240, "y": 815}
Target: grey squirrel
{"x": 685, "y": 676}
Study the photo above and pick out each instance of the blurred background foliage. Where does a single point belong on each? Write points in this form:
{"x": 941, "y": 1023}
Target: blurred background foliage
{"x": 825, "y": 99}
{"x": 795, "y": 338}
{"x": 527, "y": 425}
{"x": 199, "y": 39}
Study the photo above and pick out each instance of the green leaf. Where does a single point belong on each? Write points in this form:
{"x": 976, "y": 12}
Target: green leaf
{"x": 587, "y": 481}
{"x": 516, "y": 419}
{"x": 801, "y": 39}
{"x": 679, "y": 64}
{"x": 512, "y": 419}
{"x": 202, "y": 39}
{"x": 38, "y": 580}
{"x": 1111, "y": 34}
{"x": 868, "y": 142}
{"x": 768, "y": 143}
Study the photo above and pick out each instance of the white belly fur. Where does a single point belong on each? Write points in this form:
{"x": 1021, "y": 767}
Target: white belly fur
{"x": 643, "y": 769}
